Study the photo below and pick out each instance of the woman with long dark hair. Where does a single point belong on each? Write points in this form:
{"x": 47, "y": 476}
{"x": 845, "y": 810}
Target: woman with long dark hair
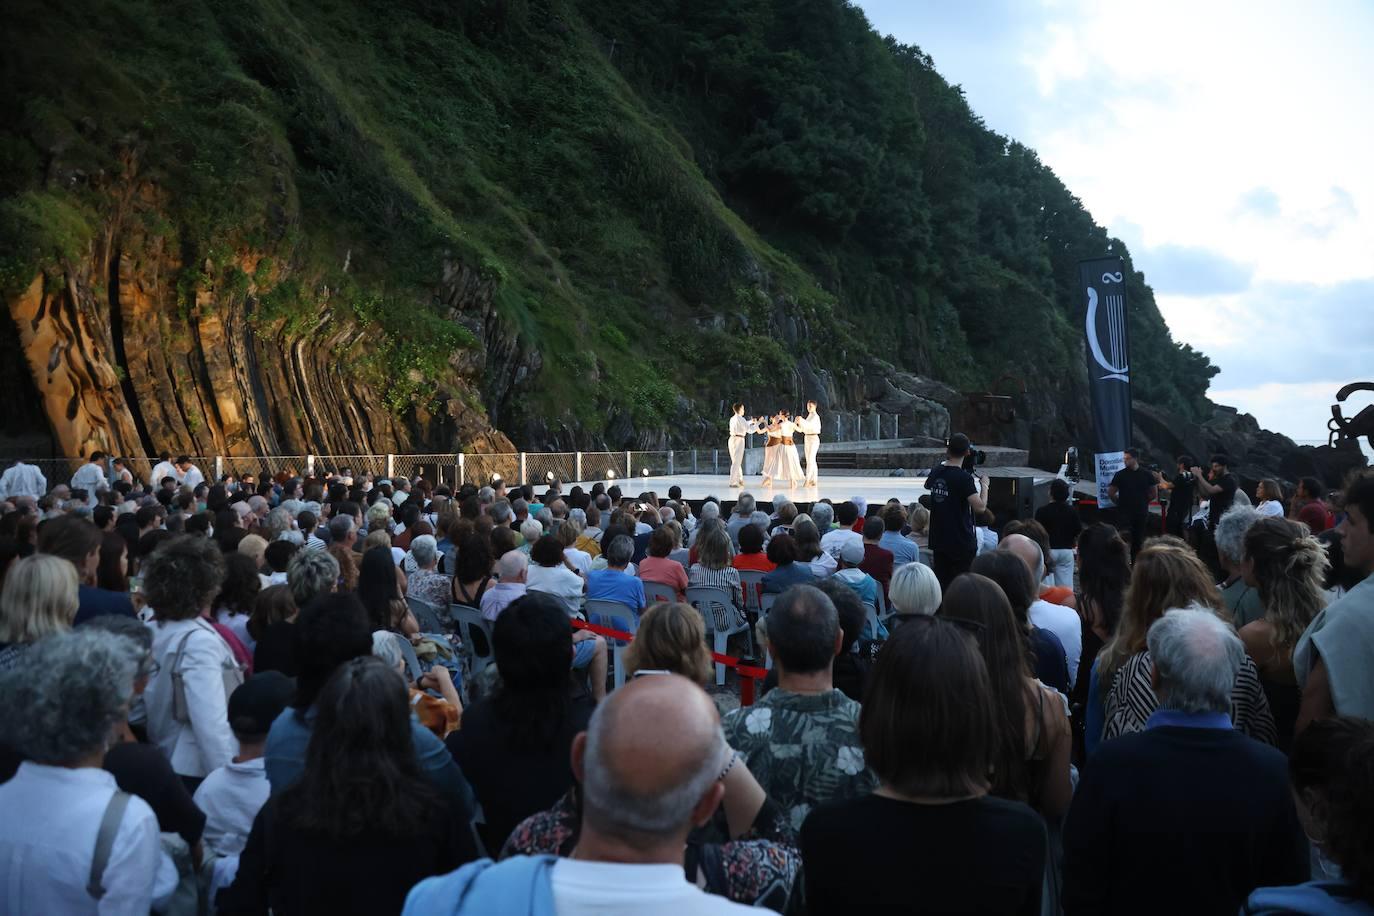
{"x": 381, "y": 595}
{"x": 1031, "y": 759}
{"x": 362, "y": 825}
{"x": 113, "y": 572}
{"x": 1104, "y": 573}
{"x": 514, "y": 747}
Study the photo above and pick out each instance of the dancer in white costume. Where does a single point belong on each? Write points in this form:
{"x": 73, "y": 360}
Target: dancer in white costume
{"x": 789, "y": 467}
{"x": 771, "y": 449}
{"x": 739, "y": 428}
{"x": 810, "y": 428}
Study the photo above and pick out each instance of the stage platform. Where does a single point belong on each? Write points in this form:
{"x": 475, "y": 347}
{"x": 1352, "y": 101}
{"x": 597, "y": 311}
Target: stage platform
{"x": 837, "y": 488}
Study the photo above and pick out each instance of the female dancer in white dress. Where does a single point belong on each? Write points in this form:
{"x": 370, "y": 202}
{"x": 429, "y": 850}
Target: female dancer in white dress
{"x": 789, "y": 467}
{"x": 771, "y": 448}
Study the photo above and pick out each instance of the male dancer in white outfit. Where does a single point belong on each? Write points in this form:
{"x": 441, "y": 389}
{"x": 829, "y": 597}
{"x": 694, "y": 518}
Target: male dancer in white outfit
{"x": 810, "y": 428}
{"x": 739, "y": 428}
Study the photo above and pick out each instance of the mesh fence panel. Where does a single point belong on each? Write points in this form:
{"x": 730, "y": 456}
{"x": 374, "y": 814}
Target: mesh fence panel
{"x": 441, "y": 470}
{"x": 263, "y": 466}
{"x": 599, "y": 465}
{"x": 479, "y": 469}
{"x": 545, "y": 468}
{"x": 653, "y": 464}
{"x": 358, "y": 464}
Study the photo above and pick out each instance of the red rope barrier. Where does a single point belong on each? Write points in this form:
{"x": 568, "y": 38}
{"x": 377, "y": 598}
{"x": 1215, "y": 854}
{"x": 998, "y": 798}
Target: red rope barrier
{"x": 748, "y": 673}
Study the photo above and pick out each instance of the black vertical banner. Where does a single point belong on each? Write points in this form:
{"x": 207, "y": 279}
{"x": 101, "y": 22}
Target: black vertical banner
{"x": 1103, "y": 288}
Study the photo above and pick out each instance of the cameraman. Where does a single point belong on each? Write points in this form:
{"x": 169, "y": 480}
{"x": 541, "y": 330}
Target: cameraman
{"x": 1133, "y": 488}
{"x": 955, "y": 499}
{"x": 1181, "y": 495}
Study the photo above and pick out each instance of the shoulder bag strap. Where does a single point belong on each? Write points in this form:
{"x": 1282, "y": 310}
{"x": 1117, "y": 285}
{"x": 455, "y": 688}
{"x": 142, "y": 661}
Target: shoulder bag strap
{"x": 104, "y": 841}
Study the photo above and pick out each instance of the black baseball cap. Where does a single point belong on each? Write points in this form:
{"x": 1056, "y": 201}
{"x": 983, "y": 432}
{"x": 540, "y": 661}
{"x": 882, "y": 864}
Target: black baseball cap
{"x": 256, "y": 703}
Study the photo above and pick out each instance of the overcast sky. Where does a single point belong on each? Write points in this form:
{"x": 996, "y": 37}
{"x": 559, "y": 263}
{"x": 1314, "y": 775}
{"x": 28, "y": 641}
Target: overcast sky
{"x": 1230, "y": 145}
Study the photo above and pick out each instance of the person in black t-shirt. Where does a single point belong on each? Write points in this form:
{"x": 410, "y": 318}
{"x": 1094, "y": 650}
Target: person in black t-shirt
{"x": 1133, "y": 489}
{"x": 930, "y": 838}
{"x": 955, "y": 497}
{"x": 1220, "y": 489}
{"x": 1063, "y": 525}
{"x": 1181, "y": 493}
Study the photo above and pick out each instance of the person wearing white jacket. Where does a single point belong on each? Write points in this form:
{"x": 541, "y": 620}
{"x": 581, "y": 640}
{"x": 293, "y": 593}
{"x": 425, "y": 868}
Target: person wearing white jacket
{"x": 23, "y": 480}
{"x": 188, "y": 693}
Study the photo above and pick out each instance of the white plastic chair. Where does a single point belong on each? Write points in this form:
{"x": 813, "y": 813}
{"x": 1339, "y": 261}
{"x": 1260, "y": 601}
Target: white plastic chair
{"x": 705, "y": 598}
{"x": 656, "y": 592}
{"x": 475, "y": 631}
{"x": 618, "y": 616}
{"x": 751, "y": 584}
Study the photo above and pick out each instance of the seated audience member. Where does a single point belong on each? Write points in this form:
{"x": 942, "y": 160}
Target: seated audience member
{"x": 1030, "y": 528}
{"x": 427, "y": 584}
{"x": 782, "y": 553}
{"x": 613, "y": 583}
{"x": 113, "y": 572}
{"x": 1269, "y": 498}
{"x": 1140, "y": 808}
{"x": 278, "y": 556}
{"x": 1063, "y": 621}
{"x": 903, "y": 549}
{"x": 381, "y": 594}
{"x": 1241, "y": 599}
{"x": 864, "y": 585}
{"x": 78, "y": 542}
{"x": 514, "y": 746}
{"x": 878, "y": 560}
{"x": 713, "y": 569}
{"x": 652, "y": 765}
{"x": 932, "y": 822}
{"x": 1330, "y": 774}
{"x": 64, "y": 700}
{"x": 440, "y": 714}
{"x": 310, "y": 574}
{"x": 741, "y": 516}
{"x": 188, "y": 694}
{"x": 1167, "y": 576}
{"x": 332, "y": 631}
{"x": 801, "y": 740}
{"x": 551, "y": 573}
{"x": 1287, "y": 567}
{"x": 1309, "y": 507}
{"x": 472, "y": 577}
{"x": 851, "y": 671}
{"x": 237, "y": 595}
{"x": 914, "y": 590}
{"x": 255, "y": 548}
{"x": 751, "y": 556}
{"x": 1062, "y": 525}
{"x": 232, "y": 795}
{"x": 272, "y": 629}
{"x": 671, "y": 639}
{"x": 1049, "y": 663}
{"x": 1031, "y": 758}
{"x": 1332, "y": 657}
{"x": 568, "y": 533}
{"x": 512, "y": 569}
{"x": 846, "y": 513}
{"x": 809, "y": 550}
{"x": 660, "y": 568}
{"x": 39, "y": 598}
{"x": 361, "y": 825}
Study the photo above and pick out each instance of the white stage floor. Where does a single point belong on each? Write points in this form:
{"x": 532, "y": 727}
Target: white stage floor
{"x": 834, "y": 488}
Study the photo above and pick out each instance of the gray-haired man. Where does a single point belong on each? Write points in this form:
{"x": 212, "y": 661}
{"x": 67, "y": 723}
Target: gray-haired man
{"x": 1190, "y": 797}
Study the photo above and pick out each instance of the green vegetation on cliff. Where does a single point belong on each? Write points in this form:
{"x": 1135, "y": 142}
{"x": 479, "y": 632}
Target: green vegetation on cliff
{"x": 642, "y": 184}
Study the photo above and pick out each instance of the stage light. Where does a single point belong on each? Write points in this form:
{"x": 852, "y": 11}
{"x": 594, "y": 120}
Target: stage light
{"x": 644, "y": 471}
{"x": 495, "y": 479}
{"x": 610, "y": 475}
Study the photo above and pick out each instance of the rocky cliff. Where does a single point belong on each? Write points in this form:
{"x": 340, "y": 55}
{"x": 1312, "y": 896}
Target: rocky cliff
{"x": 367, "y": 226}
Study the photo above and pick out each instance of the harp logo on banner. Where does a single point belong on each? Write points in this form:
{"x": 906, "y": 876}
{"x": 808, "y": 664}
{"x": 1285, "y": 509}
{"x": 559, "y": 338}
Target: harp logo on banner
{"x": 1108, "y": 339}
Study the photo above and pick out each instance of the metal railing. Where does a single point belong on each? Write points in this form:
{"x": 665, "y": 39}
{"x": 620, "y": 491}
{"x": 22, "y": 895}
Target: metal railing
{"x": 454, "y": 470}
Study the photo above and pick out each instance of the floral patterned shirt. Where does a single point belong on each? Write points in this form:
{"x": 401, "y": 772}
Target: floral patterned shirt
{"x": 803, "y": 749}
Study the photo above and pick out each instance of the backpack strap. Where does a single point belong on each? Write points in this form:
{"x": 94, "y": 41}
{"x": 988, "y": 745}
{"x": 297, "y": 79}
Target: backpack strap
{"x": 104, "y": 842}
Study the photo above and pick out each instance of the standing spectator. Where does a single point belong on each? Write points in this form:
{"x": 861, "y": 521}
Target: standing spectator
{"x": 1287, "y": 567}
{"x": 358, "y": 829}
{"x": 1269, "y": 498}
{"x": 1133, "y": 489}
{"x": 514, "y": 746}
{"x": 1104, "y": 572}
{"x": 878, "y": 561}
{"x": 955, "y": 498}
{"x": 164, "y": 470}
{"x": 78, "y": 542}
{"x": 787, "y": 571}
{"x": 188, "y": 694}
{"x": 1034, "y": 744}
{"x": 62, "y": 703}
{"x": 38, "y": 600}
{"x": 652, "y": 766}
{"x": 22, "y": 479}
{"x": 1139, "y": 806}
{"x": 801, "y": 740}
{"x": 1182, "y": 496}
{"x": 903, "y": 549}
{"x": 1309, "y": 507}
{"x": 659, "y": 566}
{"x": 1332, "y": 657}
{"x": 1241, "y": 598}
{"x": 191, "y": 476}
{"x": 1061, "y": 523}
{"x": 931, "y": 827}
{"x": 1167, "y": 576}
{"x": 1333, "y": 782}
{"x": 92, "y": 478}
{"x": 1220, "y": 491}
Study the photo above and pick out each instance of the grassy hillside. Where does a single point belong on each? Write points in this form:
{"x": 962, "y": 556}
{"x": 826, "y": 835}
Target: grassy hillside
{"x": 643, "y": 186}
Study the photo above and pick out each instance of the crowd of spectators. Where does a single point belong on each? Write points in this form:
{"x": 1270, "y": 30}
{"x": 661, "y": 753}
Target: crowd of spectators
{"x": 355, "y": 695}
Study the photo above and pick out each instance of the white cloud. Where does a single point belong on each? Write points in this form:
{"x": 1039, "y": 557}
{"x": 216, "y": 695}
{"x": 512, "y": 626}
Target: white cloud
{"x": 1227, "y": 143}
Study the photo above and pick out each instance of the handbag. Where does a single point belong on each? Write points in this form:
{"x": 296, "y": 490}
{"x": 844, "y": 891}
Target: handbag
{"x": 231, "y": 673}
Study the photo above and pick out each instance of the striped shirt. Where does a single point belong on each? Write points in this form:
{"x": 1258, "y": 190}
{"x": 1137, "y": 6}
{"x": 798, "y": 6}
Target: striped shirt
{"x": 1132, "y": 701}
{"x": 728, "y": 579}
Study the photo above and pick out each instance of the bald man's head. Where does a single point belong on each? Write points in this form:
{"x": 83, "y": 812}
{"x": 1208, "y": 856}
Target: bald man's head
{"x": 1028, "y": 551}
{"x": 650, "y": 759}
